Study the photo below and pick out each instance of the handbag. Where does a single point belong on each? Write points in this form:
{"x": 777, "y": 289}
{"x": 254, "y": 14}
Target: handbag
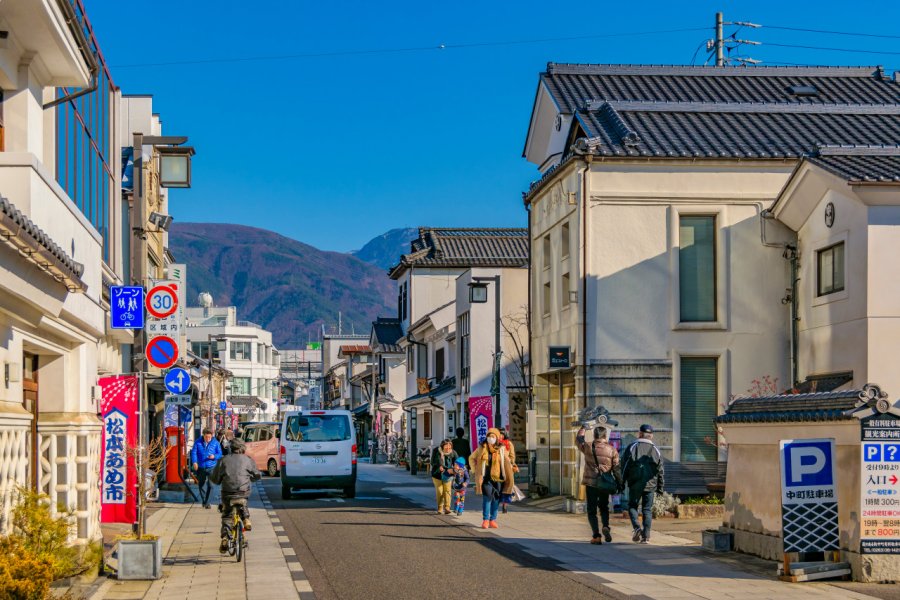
{"x": 605, "y": 482}
{"x": 517, "y": 495}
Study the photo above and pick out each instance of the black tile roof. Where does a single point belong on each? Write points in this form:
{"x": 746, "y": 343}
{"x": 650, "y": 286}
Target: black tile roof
{"x": 684, "y": 130}
{"x": 667, "y": 112}
{"x": 387, "y": 332}
{"x": 789, "y": 408}
{"x": 572, "y": 85}
{"x": 18, "y": 224}
{"x": 465, "y": 247}
{"x": 860, "y": 164}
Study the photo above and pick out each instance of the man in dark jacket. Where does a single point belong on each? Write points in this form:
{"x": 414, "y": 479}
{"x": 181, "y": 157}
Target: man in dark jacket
{"x": 461, "y": 444}
{"x": 642, "y": 468}
{"x": 234, "y": 473}
{"x": 205, "y": 453}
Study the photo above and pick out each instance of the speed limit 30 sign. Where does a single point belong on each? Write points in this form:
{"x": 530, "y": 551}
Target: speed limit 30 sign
{"x": 162, "y": 301}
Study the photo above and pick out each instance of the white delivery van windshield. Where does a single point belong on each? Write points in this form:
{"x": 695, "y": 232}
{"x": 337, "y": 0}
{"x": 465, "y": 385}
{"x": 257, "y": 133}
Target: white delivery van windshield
{"x": 317, "y": 428}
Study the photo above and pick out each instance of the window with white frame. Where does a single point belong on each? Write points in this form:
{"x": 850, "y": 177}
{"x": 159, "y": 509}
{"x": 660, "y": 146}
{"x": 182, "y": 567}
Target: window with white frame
{"x": 697, "y": 268}
{"x": 564, "y": 241}
{"x": 410, "y": 358}
{"x": 566, "y": 298}
{"x": 240, "y": 386}
{"x": 241, "y": 350}
{"x": 547, "y": 252}
{"x": 830, "y": 270}
{"x": 545, "y": 307}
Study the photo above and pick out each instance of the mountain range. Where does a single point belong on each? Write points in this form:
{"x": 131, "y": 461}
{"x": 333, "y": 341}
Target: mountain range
{"x": 289, "y": 287}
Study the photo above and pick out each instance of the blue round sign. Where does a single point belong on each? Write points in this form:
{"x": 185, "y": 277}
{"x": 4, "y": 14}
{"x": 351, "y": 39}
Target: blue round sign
{"x": 178, "y": 381}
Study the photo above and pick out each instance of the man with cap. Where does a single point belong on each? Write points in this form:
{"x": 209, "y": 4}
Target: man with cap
{"x": 234, "y": 473}
{"x": 642, "y": 469}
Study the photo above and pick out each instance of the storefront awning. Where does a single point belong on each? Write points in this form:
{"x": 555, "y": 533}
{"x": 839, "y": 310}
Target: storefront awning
{"x": 446, "y": 388}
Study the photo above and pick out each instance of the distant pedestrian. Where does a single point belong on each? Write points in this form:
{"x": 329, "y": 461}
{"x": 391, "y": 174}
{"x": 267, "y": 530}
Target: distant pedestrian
{"x": 643, "y": 472}
{"x": 460, "y": 485}
{"x": 602, "y": 477}
{"x": 234, "y": 473}
{"x": 205, "y": 453}
{"x": 507, "y": 498}
{"x": 442, "y": 460}
{"x": 495, "y": 474}
{"x": 461, "y": 444}
{"x": 225, "y": 437}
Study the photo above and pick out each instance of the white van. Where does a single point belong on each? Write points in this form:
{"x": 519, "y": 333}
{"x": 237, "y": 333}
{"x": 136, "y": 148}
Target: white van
{"x": 318, "y": 451}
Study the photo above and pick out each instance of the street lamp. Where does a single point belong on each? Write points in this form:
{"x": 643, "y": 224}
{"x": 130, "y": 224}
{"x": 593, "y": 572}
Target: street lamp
{"x": 175, "y": 166}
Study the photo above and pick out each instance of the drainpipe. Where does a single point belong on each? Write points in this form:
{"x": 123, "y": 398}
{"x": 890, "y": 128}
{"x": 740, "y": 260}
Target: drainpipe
{"x": 75, "y": 27}
{"x": 585, "y": 191}
{"x": 532, "y": 458}
{"x": 789, "y": 253}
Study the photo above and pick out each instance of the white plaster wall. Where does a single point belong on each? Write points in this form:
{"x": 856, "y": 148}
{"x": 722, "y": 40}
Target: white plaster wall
{"x": 550, "y": 210}
{"x": 832, "y": 328}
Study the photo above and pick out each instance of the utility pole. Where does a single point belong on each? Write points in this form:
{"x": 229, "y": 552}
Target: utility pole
{"x": 720, "y": 42}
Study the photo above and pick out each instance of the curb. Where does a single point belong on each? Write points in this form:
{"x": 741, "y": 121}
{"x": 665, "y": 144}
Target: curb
{"x": 301, "y": 583}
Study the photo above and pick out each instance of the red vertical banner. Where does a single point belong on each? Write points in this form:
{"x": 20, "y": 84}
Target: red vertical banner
{"x": 481, "y": 418}
{"x": 118, "y": 477}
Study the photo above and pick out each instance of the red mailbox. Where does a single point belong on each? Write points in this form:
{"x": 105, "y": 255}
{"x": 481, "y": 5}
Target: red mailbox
{"x": 174, "y": 444}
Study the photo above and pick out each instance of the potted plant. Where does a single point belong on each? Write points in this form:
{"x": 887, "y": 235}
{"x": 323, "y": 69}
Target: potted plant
{"x": 140, "y": 554}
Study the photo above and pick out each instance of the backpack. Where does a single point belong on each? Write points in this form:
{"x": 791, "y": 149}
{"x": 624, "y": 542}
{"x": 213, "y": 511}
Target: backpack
{"x": 638, "y": 471}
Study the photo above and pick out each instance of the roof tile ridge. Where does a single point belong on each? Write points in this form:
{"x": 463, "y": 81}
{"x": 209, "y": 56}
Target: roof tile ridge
{"x": 857, "y": 150}
{"x": 554, "y": 68}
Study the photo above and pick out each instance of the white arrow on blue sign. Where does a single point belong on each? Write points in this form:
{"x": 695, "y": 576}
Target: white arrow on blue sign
{"x": 178, "y": 381}
{"x": 222, "y": 405}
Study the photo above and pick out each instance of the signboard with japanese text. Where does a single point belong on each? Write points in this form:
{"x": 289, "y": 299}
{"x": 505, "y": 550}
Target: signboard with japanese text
{"x": 126, "y": 307}
{"x": 118, "y": 480}
{"x": 559, "y": 357}
{"x": 809, "y": 510}
{"x": 481, "y": 416}
{"x": 880, "y": 485}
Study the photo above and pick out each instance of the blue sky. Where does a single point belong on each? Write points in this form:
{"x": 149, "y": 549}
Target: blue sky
{"x": 334, "y": 150}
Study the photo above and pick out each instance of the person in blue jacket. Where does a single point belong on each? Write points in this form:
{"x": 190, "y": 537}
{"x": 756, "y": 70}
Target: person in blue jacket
{"x": 204, "y": 456}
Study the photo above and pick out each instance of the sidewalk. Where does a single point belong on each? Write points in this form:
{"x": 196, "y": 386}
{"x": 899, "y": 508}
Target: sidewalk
{"x": 194, "y": 568}
{"x": 670, "y": 568}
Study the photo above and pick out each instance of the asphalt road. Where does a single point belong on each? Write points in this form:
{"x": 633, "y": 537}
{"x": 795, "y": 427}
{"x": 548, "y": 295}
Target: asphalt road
{"x": 382, "y": 546}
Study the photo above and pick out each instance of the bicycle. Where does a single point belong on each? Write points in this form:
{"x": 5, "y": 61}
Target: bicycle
{"x": 236, "y": 541}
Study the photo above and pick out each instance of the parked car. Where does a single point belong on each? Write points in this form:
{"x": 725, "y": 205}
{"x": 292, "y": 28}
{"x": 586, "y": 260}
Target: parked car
{"x": 318, "y": 451}
{"x": 262, "y": 445}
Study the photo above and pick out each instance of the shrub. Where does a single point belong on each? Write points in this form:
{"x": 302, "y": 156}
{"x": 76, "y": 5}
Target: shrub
{"x": 37, "y": 550}
{"x": 23, "y": 574}
{"x": 703, "y": 500}
{"x": 664, "y": 503}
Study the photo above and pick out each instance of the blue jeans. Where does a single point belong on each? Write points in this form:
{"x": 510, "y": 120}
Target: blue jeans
{"x": 489, "y": 508}
{"x": 646, "y": 499}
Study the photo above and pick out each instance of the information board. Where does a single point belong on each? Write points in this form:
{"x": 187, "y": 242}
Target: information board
{"x": 880, "y": 485}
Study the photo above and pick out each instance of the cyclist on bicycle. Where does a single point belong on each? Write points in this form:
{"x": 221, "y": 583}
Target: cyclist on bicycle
{"x": 234, "y": 473}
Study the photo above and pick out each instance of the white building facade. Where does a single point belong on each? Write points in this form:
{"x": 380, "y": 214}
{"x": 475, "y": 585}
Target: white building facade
{"x": 648, "y": 259}
{"x": 243, "y": 348}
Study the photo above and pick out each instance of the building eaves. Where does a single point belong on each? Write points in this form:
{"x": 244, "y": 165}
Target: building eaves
{"x": 438, "y": 247}
{"x": 22, "y": 234}
{"x": 349, "y": 349}
{"x": 860, "y": 165}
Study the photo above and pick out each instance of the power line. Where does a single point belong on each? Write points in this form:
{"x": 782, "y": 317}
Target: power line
{"x": 857, "y": 34}
{"x": 374, "y": 51}
{"x": 830, "y": 49}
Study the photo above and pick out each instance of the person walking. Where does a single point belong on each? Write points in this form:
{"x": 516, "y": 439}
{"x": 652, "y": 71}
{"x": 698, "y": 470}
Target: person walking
{"x": 442, "y": 460}
{"x": 507, "y": 498}
{"x": 460, "y": 484}
{"x": 461, "y": 444}
{"x": 643, "y": 472}
{"x": 494, "y": 474}
{"x": 602, "y": 477}
{"x": 234, "y": 473}
{"x": 205, "y": 453}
